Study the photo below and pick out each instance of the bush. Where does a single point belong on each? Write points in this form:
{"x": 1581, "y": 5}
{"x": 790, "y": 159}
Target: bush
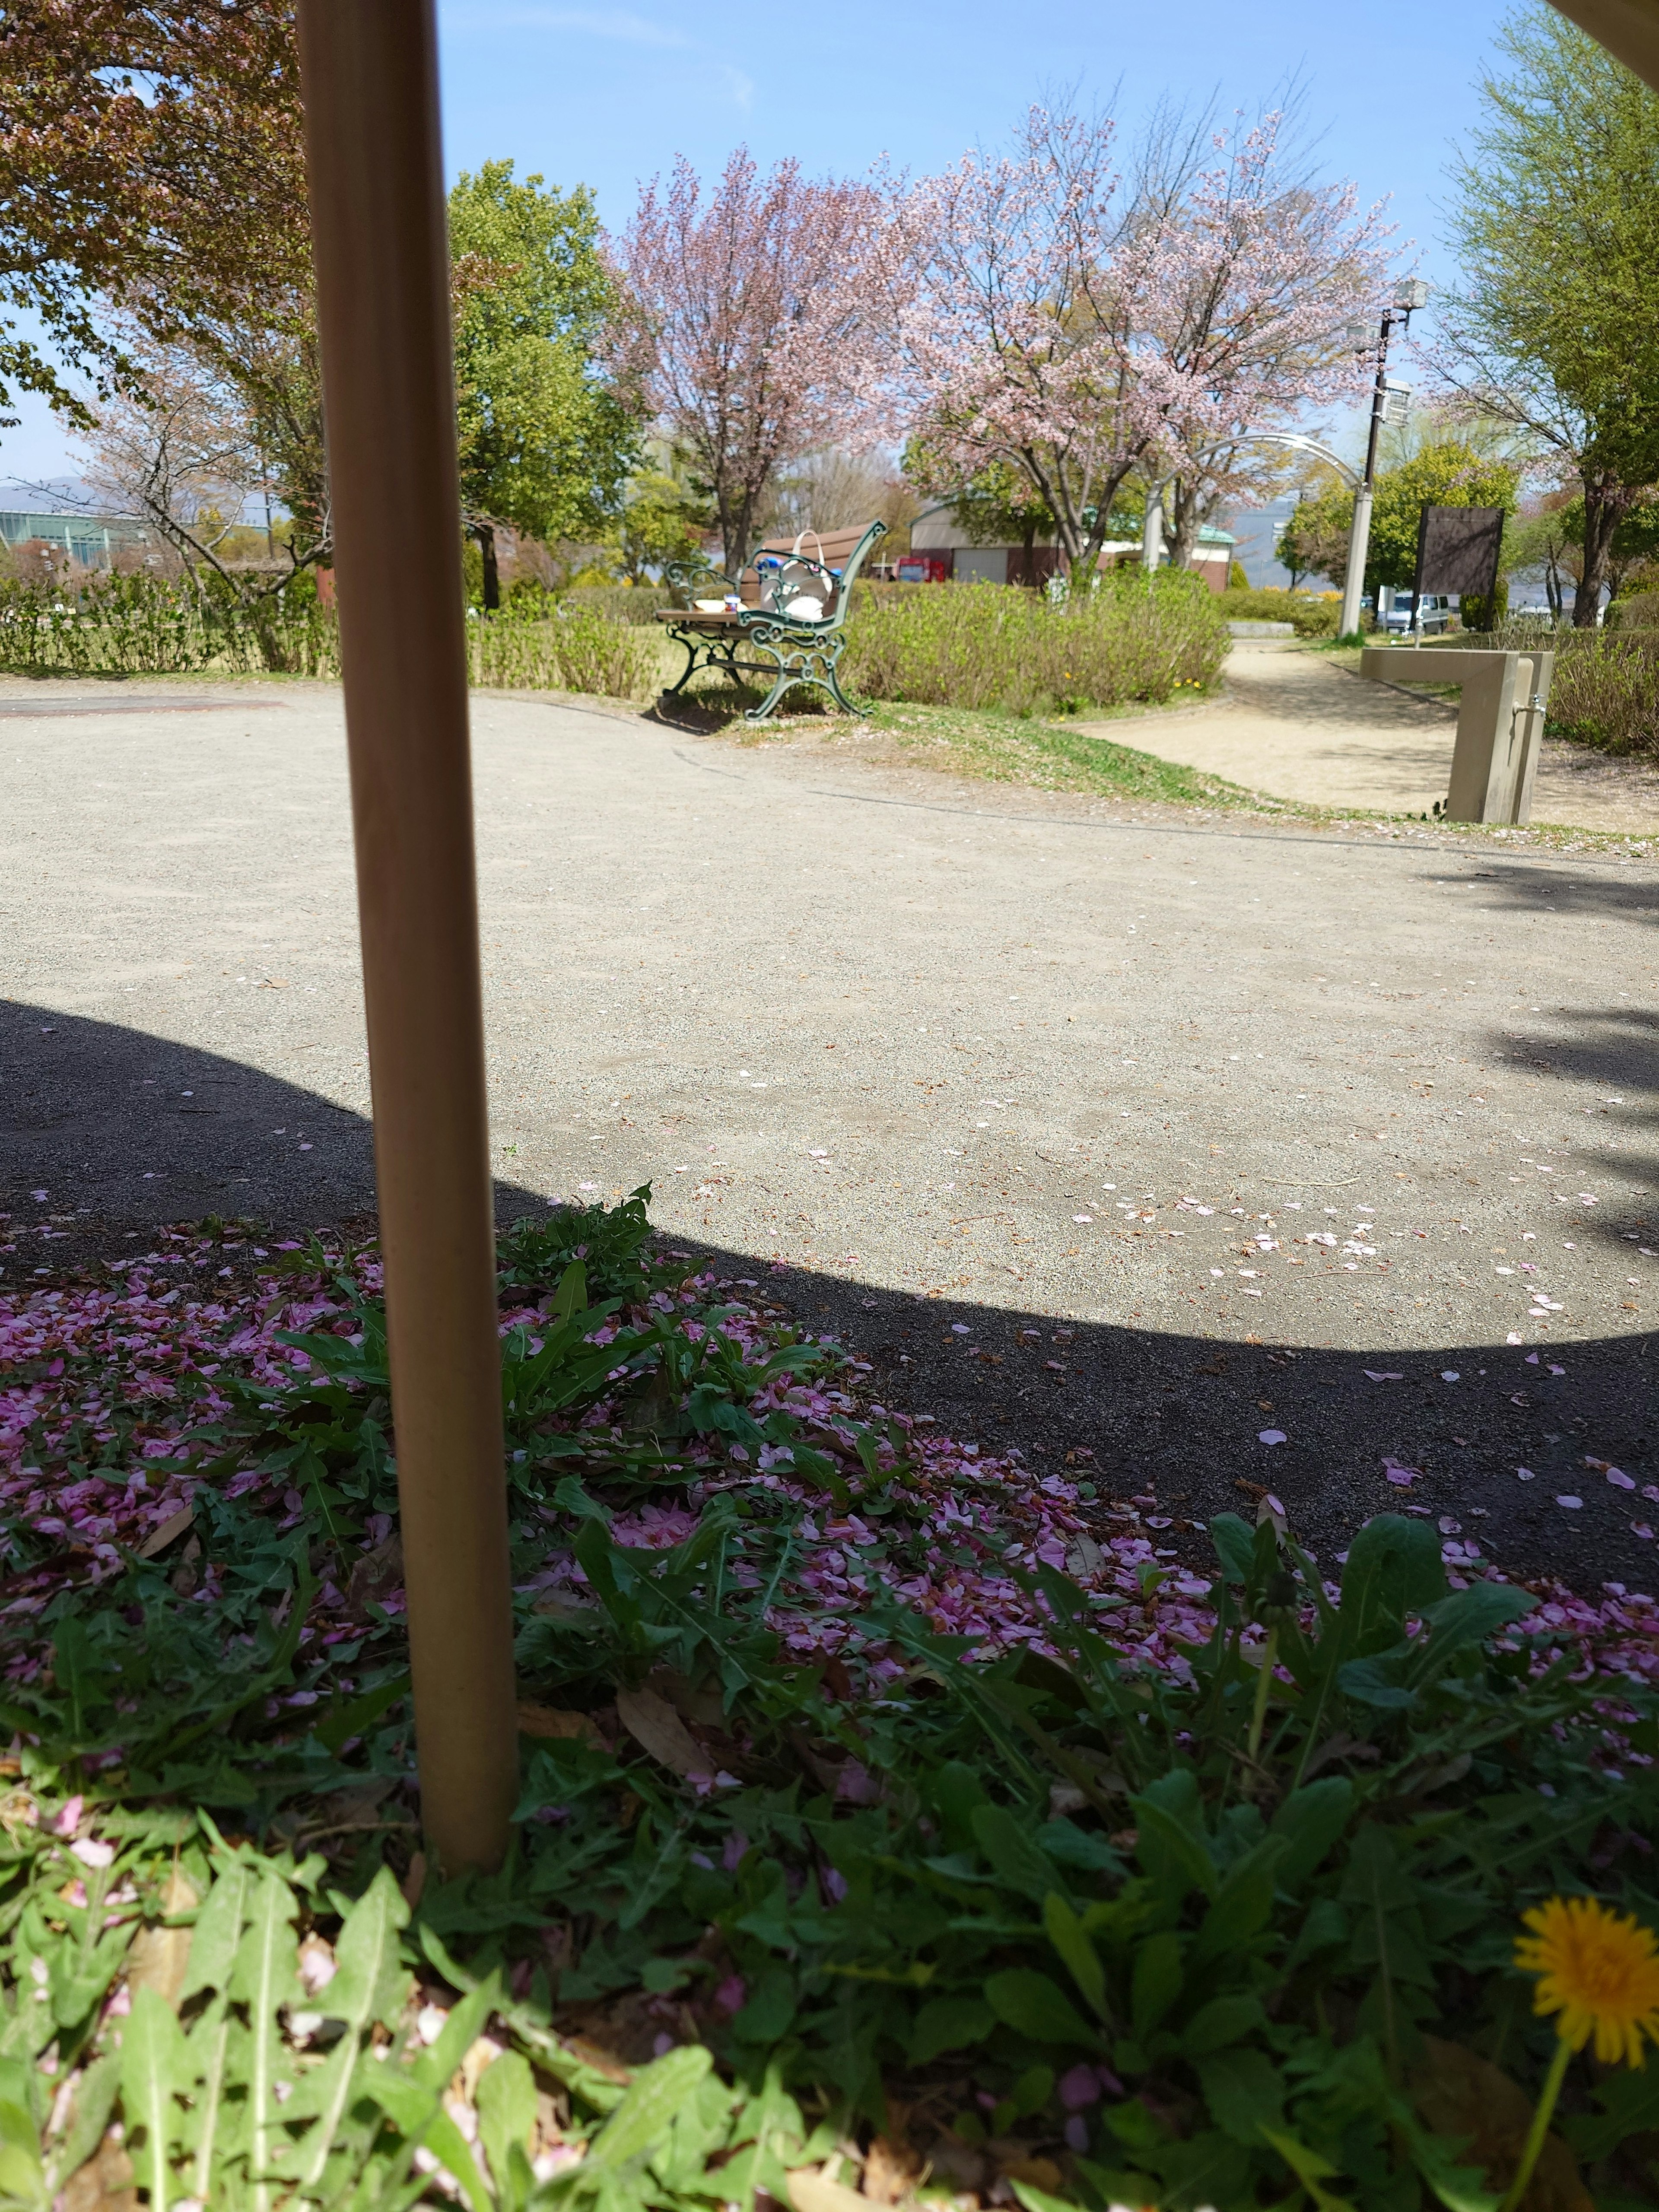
{"x": 574, "y": 650}
{"x": 140, "y": 625}
{"x": 1606, "y": 686}
{"x": 1640, "y": 611}
{"x": 1313, "y": 614}
{"x": 983, "y": 645}
{"x": 623, "y": 603}
{"x": 1606, "y": 691}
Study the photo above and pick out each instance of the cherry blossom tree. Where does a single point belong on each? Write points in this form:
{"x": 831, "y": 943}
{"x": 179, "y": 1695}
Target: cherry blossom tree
{"x": 1013, "y": 294}
{"x": 747, "y": 301}
{"x": 1259, "y": 272}
{"x": 1046, "y": 311}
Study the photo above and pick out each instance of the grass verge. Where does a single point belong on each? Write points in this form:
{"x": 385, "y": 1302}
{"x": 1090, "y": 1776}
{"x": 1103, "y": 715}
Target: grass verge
{"x": 986, "y": 746}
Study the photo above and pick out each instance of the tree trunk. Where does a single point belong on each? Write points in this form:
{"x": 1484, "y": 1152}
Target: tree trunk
{"x": 1607, "y": 503}
{"x": 485, "y": 534}
{"x": 1188, "y": 523}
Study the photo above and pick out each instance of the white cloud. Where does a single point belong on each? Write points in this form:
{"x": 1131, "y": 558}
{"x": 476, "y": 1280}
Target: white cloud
{"x": 741, "y": 87}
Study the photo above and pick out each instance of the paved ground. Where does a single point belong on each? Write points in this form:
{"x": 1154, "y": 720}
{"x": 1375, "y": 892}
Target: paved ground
{"x": 1296, "y": 724}
{"x": 1049, "y": 1106}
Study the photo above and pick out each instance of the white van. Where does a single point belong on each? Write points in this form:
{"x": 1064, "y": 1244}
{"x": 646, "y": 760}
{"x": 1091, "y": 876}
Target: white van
{"x": 1434, "y": 612}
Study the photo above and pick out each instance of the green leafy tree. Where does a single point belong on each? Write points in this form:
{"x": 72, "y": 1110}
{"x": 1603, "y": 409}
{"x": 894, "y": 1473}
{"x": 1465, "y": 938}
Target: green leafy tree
{"x": 1448, "y": 473}
{"x": 547, "y": 434}
{"x": 1634, "y": 543}
{"x": 1001, "y": 506}
{"x": 663, "y": 518}
{"x": 1555, "y": 327}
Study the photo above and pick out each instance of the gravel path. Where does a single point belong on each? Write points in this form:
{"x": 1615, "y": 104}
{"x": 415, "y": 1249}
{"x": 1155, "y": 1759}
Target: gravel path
{"x": 1296, "y": 724}
{"x": 1131, "y": 1136}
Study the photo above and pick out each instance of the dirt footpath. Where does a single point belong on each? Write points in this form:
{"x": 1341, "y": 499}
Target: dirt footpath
{"x": 1298, "y": 726}
{"x": 1197, "y": 1152}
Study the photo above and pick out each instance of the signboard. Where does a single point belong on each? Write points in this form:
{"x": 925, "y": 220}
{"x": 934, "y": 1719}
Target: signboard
{"x": 1457, "y": 551}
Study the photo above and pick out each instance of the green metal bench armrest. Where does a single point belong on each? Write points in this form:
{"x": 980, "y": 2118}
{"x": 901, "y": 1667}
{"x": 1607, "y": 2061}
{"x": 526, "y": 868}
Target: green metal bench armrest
{"x": 843, "y": 578}
{"x": 683, "y": 577}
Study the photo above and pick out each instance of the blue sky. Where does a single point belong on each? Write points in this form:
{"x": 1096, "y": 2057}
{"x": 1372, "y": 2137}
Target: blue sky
{"x": 606, "y": 95}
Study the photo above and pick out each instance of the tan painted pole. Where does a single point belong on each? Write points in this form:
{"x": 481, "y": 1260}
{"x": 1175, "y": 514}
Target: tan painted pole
{"x": 369, "y": 69}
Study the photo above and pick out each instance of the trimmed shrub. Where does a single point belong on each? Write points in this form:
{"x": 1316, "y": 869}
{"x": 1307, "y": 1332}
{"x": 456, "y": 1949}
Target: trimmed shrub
{"x": 141, "y": 626}
{"x": 634, "y": 604}
{"x": 1313, "y": 614}
{"x": 985, "y": 646}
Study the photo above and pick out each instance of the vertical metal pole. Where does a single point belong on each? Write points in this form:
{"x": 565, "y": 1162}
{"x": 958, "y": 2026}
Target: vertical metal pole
{"x": 1152, "y": 530}
{"x": 1359, "y": 535}
{"x": 370, "y": 73}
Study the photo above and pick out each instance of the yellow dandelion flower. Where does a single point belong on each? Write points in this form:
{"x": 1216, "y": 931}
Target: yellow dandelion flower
{"x": 1599, "y": 1972}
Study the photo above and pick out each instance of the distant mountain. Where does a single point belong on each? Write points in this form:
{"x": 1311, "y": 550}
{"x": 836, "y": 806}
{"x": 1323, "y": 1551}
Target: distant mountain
{"x": 56, "y": 495}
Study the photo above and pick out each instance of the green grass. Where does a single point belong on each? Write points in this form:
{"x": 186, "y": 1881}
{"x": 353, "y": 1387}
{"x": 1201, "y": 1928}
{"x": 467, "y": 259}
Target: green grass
{"x": 987, "y": 747}
{"x": 1052, "y": 756}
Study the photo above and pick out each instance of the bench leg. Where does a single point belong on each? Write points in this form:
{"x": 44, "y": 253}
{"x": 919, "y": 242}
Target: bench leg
{"x": 805, "y": 657}
{"x": 832, "y": 682}
{"x": 785, "y": 677}
{"x": 692, "y": 645}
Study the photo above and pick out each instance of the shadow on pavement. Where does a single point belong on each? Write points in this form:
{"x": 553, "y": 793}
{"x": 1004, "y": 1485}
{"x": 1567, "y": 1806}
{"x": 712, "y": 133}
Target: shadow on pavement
{"x": 1590, "y": 893}
{"x": 125, "y": 1132}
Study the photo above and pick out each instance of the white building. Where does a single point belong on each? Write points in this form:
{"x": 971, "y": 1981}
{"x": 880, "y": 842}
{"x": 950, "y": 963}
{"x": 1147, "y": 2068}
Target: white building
{"x": 941, "y": 551}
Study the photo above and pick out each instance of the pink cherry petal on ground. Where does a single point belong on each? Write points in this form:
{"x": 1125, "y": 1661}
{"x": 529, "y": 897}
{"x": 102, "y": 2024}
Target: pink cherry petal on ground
{"x": 69, "y": 1818}
{"x": 1271, "y": 1436}
{"x": 1620, "y": 1479}
{"x": 1571, "y": 1504}
{"x": 1079, "y": 2087}
{"x": 92, "y": 1853}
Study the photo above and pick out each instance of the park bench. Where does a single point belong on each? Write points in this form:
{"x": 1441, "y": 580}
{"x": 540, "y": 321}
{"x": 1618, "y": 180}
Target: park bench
{"x": 783, "y": 617}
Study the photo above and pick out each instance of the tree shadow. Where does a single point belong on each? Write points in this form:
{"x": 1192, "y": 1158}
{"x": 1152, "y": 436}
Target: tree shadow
{"x": 124, "y": 1131}
{"x": 1589, "y": 892}
{"x": 1615, "y": 1050}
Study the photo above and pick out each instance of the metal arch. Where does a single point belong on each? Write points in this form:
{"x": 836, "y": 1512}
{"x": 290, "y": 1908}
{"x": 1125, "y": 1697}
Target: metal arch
{"x": 1298, "y": 443}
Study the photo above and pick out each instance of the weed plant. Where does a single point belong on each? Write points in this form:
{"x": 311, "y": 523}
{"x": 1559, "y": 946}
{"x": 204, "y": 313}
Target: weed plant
{"x": 1236, "y": 1931}
{"x": 987, "y": 646}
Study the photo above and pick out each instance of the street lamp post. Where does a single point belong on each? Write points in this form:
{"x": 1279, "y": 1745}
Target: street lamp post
{"x": 1413, "y": 293}
{"x": 1152, "y": 529}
